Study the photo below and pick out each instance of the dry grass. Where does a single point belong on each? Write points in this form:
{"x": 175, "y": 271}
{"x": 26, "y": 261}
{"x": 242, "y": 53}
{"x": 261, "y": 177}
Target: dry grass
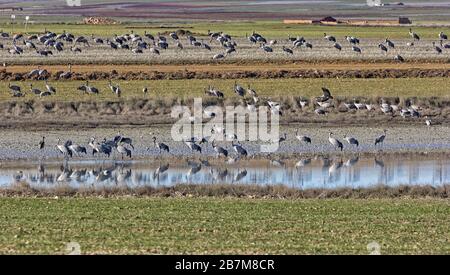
{"x": 23, "y": 189}
{"x": 190, "y": 88}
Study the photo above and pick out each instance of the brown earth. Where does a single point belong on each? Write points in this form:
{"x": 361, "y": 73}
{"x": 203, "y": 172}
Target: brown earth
{"x": 223, "y": 67}
{"x": 155, "y": 72}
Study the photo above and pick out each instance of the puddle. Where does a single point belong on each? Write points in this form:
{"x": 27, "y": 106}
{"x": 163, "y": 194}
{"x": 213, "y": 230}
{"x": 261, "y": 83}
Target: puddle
{"x": 302, "y": 174}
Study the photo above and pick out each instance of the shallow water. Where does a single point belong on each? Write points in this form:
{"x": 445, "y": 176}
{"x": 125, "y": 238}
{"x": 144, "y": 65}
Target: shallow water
{"x": 300, "y": 174}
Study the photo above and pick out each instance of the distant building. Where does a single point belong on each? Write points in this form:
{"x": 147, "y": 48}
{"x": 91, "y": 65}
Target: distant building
{"x": 329, "y": 19}
{"x": 359, "y": 22}
{"x": 404, "y": 20}
{"x": 326, "y": 20}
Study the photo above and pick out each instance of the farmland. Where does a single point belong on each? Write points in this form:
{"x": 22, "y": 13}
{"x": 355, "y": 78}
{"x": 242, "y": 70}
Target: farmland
{"x": 223, "y": 226}
{"x": 290, "y": 87}
{"x": 321, "y": 51}
{"x": 229, "y": 10}
{"x": 89, "y": 153}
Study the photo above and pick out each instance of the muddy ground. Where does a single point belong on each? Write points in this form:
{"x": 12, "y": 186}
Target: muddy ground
{"x": 246, "y": 53}
{"x": 7, "y": 75}
{"x": 23, "y": 144}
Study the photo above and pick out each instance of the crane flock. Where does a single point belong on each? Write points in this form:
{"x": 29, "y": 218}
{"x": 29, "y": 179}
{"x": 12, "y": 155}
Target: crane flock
{"x": 124, "y": 147}
{"x": 220, "y": 45}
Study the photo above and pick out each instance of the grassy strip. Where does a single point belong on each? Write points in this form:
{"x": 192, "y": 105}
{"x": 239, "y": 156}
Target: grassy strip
{"x": 186, "y": 89}
{"x": 211, "y": 225}
{"x": 271, "y": 29}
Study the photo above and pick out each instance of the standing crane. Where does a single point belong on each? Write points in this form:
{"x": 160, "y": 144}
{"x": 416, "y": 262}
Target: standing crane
{"x": 414, "y": 35}
{"x": 161, "y": 146}
{"x": 335, "y": 142}
{"x": 380, "y": 139}
{"x": 351, "y": 140}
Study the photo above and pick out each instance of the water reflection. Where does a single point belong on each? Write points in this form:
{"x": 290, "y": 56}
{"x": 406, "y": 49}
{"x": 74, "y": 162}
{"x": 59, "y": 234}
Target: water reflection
{"x": 321, "y": 172}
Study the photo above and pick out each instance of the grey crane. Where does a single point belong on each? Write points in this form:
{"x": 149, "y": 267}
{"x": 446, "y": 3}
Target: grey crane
{"x": 81, "y": 39}
{"x": 218, "y": 56}
{"x": 77, "y": 149}
{"x": 123, "y": 150}
{"x": 442, "y": 36}
{"x": 34, "y": 90}
{"x": 352, "y": 40}
{"x": 161, "y": 146}
{"x": 427, "y": 121}
{"x": 446, "y": 46}
{"x": 337, "y": 46}
{"x": 59, "y": 46}
{"x": 91, "y": 89}
{"x": 64, "y": 148}
{"x": 399, "y": 58}
{"x": 214, "y": 92}
{"x": 356, "y": 49}
{"x": 14, "y": 88}
{"x": 329, "y": 37}
{"x": 282, "y": 138}
{"x": 302, "y": 138}
{"x": 238, "y": 89}
{"x": 437, "y": 48}
{"x": 68, "y": 74}
{"x": 351, "y": 140}
{"x": 414, "y": 35}
{"x": 121, "y": 139}
{"x": 174, "y": 36}
{"x": 389, "y": 43}
{"x": 325, "y": 96}
{"x": 335, "y": 142}
{"x": 383, "y": 48}
{"x": 239, "y": 149}
{"x": 42, "y": 143}
{"x": 75, "y": 50}
{"x": 193, "y": 146}
{"x": 100, "y": 147}
{"x": 115, "y": 89}
{"x": 251, "y": 91}
{"x": 35, "y": 72}
{"x": 219, "y": 150}
{"x": 29, "y": 44}
{"x": 266, "y": 48}
{"x": 149, "y": 35}
{"x": 45, "y": 93}
{"x": 230, "y": 50}
{"x": 320, "y": 111}
{"x": 380, "y": 139}
{"x": 287, "y": 50}
{"x": 49, "y": 88}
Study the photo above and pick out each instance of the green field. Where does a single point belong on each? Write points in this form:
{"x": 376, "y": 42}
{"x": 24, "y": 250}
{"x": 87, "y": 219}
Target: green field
{"x": 270, "y": 29}
{"x": 190, "y": 88}
{"x": 209, "y": 225}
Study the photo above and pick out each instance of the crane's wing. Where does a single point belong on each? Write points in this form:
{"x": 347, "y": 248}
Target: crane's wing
{"x": 68, "y": 143}
{"x": 326, "y": 92}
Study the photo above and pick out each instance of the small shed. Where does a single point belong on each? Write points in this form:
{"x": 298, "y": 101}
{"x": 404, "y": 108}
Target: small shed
{"x": 404, "y": 20}
{"x": 329, "y": 19}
